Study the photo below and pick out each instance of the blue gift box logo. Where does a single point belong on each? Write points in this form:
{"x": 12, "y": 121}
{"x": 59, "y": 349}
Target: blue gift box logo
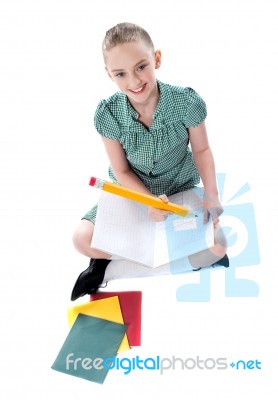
{"x": 239, "y": 225}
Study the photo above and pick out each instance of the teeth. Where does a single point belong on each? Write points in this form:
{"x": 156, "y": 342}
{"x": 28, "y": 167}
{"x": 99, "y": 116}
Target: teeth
{"x": 138, "y": 90}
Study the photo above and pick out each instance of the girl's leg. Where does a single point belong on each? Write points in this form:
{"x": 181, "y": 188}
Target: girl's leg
{"x": 101, "y": 270}
{"x": 121, "y": 269}
{"x": 82, "y": 239}
{"x": 89, "y": 280}
{"x": 210, "y": 256}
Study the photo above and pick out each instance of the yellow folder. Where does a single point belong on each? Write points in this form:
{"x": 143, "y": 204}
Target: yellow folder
{"x": 108, "y": 309}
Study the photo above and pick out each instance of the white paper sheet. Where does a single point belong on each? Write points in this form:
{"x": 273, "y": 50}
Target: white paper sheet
{"x": 123, "y": 228}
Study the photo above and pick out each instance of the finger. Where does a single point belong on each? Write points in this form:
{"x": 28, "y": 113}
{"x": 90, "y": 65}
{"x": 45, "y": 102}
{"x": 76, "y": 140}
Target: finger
{"x": 157, "y": 214}
{"x": 155, "y": 210}
{"x": 215, "y": 221}
{"x": 219, "y": 210}
{"x": 215, "y": 212}
{"x": 164, "y": 198}
{"x": 161, "y": 212}
{"x": 158, "y": 217}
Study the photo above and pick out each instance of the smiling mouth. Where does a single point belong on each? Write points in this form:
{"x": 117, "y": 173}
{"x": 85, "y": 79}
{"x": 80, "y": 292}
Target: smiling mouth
{"x": 139, "y": 90}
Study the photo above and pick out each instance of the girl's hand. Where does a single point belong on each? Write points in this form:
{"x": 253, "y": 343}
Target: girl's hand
{"x": 212, "y": 207}
{"x": 156, "y": 214}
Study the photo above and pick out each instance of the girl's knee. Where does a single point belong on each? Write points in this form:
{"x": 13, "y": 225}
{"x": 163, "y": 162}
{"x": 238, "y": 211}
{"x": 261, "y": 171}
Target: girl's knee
{"x": 83, "y": 234}
{"x": 220, "y": 242}
{"x": 220, "y": 250}
{"x": 220, "y": 238}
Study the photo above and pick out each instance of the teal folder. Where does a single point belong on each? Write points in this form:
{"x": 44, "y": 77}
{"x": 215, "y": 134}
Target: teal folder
{"x": 89, "y": 343}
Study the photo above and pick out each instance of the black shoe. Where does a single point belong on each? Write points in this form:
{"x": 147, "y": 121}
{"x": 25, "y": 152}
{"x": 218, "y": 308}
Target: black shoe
{"x": 90, "y": 280}
{"x": 224, "y": 262}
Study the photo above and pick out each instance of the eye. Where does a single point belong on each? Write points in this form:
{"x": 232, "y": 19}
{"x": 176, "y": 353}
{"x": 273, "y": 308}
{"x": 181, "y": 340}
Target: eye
{"x": 142, "y": 67}
{"x": 120, "y": 74}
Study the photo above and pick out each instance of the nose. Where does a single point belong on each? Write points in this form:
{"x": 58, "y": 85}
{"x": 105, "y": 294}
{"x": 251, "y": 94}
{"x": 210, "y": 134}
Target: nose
{"x": 134, "y": 81}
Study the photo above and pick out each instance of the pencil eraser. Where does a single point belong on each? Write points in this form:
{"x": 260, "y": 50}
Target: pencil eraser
{"x": 92, "y": 181}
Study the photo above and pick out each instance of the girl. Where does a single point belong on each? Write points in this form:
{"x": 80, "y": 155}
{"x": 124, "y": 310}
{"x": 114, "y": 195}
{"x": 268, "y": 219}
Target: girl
{"x": 146, "y": 129}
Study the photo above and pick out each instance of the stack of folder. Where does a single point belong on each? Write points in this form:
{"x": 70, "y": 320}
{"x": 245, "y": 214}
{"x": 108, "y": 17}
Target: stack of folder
{"x": 99, "y": 329}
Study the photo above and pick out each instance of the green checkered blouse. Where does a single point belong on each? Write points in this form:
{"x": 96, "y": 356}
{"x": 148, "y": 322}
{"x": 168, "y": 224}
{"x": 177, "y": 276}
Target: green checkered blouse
{"x": 159, "y": 155}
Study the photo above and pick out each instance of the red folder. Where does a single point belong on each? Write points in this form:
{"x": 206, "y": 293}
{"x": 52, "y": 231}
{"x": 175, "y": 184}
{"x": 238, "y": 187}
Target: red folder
{"x": 131, "y": 303}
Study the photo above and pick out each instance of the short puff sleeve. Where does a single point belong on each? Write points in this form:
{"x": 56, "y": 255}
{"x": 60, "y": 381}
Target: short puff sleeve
{"x": 196, "y": 111}
{"x": 105, "y": 122}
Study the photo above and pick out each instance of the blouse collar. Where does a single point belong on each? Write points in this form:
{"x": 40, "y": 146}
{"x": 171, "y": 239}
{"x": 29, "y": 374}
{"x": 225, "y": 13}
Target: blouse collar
{"x": 163, "y": 109}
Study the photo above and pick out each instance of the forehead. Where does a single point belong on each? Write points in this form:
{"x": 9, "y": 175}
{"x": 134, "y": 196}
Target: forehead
{"x": 128, "y": 54}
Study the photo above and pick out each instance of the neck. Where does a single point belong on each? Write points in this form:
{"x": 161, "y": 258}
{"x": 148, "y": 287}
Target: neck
{"x": 149, "y": 106}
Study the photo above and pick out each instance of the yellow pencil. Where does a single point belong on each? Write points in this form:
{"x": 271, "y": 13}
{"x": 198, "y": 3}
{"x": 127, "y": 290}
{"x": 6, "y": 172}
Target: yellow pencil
{"x": 139, "y": 197}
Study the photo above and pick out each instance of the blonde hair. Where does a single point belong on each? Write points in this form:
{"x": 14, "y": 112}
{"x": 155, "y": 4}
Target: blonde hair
{"x": 125, "y": 32}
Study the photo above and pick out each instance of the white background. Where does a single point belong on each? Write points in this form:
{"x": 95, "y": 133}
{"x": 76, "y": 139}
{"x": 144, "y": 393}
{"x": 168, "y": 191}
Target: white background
{"x": 52, "y": 77}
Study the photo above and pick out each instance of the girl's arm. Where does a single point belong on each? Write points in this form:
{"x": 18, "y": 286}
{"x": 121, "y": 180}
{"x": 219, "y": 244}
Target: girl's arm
{"x": 204, "y": 162}
{"x": 127, "y": 177}
{"x": 121, "y": 168}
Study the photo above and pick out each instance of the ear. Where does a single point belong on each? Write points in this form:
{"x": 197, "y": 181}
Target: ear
{"x": 157, "y": 57}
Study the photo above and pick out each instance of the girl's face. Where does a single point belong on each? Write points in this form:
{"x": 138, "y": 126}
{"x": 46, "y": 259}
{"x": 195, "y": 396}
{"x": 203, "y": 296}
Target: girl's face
{"x": 132, "y": 67}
